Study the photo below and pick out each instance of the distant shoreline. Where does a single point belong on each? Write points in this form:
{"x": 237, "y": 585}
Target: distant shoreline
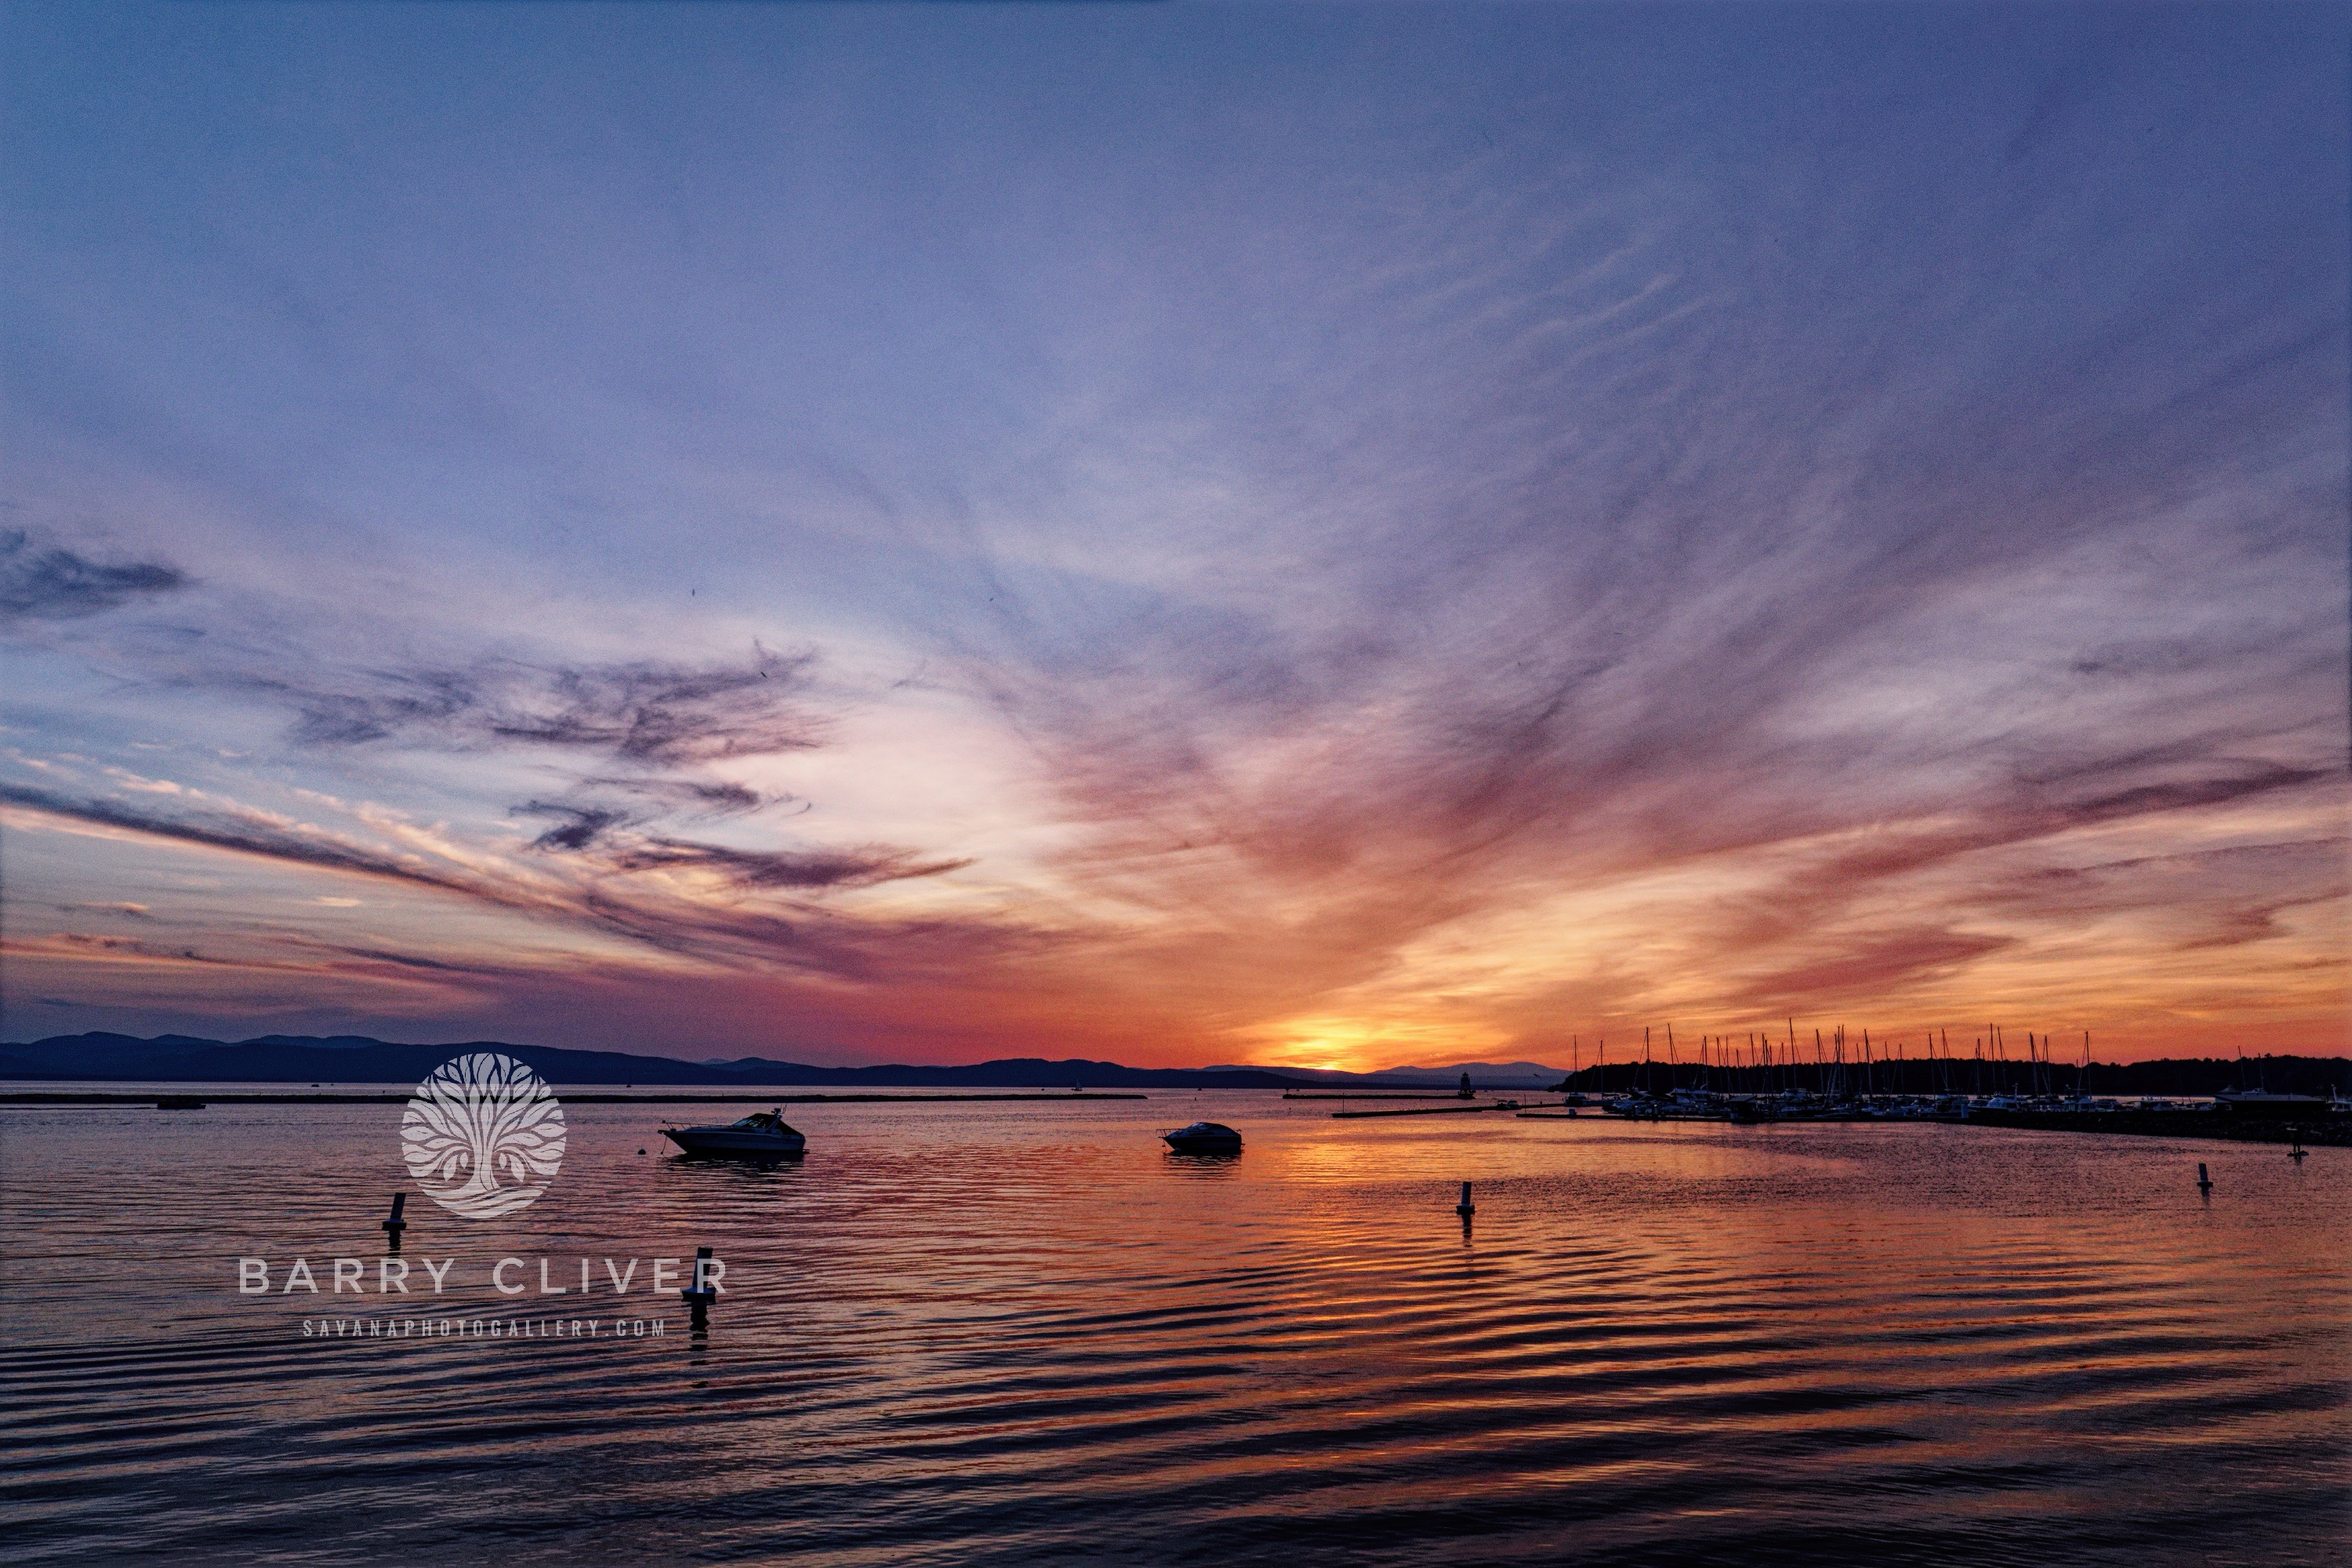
{"x": 101, "y": 1058}
{"x": 570, "y": 1097}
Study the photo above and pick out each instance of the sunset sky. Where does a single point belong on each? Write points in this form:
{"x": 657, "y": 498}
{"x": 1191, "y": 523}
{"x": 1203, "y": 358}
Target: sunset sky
{"x": 1177, "y": 534}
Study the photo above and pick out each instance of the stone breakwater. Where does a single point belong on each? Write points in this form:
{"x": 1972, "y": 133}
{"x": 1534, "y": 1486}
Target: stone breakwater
{"x": 2331, "y": 1132}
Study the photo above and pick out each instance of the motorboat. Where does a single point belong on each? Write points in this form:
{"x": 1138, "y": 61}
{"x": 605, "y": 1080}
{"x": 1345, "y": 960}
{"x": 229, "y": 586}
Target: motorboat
{"x": 761, "y": 1135}
{"x": 1203, "y": 1138}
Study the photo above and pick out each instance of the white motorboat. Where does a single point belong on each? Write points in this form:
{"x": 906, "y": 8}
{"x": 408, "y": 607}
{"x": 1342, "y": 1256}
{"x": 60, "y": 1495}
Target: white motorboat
{"x": 1203, "y": 1138}
{"x": 761, "y": 1135}
{"x": 2260, "y": 1102}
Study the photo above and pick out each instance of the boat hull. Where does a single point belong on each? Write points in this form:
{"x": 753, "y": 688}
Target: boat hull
{"x": 728, "y": 1141}
{"x": 1203, "y": 1138}
{"x": 1204, "y": 1145}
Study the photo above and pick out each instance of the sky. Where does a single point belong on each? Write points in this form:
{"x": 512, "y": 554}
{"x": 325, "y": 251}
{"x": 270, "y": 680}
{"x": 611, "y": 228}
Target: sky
{"x": 1317, "y": 536}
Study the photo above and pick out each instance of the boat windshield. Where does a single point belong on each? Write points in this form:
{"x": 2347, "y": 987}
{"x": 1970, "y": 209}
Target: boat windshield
{"x": 762, "y": 1122}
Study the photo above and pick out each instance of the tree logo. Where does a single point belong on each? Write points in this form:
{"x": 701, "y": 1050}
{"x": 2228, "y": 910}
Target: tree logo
{"x": 479, "y": 1118}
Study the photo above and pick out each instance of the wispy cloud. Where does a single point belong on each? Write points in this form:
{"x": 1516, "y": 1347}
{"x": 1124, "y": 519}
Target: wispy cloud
{"x": 1442, "y": 560}
{"x": 859, "y": 867}
{"x": 53, "y": 583}
{"x": 249, "y": 835}
{"x": 645, "y": 713}
{"x": 589, "y": 883}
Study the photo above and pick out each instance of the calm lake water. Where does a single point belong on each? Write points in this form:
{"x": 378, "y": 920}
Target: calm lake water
{"x": 977, "y": 1333}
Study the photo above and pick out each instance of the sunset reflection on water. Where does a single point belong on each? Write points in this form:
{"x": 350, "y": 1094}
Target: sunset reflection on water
{"x": 1020, "y": 1332}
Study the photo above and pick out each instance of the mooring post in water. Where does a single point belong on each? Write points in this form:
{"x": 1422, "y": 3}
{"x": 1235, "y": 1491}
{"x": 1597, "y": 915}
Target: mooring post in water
{"x": 395, "y": 1225}
{"x": 699, "y": 1295}
{"x": 2204, "y": 1182}
{"x": 2298, "y": 1152}
{"x": 1465, "y": 1208}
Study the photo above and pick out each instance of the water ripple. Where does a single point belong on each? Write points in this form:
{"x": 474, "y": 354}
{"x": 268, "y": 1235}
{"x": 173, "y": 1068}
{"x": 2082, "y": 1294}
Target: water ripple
{"x": 982, "y": 1334}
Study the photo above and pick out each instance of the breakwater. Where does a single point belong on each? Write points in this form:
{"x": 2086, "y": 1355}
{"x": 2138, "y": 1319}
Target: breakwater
{"x": 2326, "y": 1131}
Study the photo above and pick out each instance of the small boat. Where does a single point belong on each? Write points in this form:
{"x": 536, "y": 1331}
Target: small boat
{"x": 1203, "y": 1138}
{"x": 761, "y": 1133}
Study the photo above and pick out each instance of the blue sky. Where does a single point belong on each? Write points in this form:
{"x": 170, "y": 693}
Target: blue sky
{"x": 1331, "y": 534}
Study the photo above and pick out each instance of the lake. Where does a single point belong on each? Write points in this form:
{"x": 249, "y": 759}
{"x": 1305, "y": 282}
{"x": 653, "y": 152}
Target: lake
{"x": 1021, "y": 1332}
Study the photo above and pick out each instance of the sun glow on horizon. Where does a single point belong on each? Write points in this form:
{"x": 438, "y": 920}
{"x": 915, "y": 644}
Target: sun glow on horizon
{"x": 1177, "y": 562}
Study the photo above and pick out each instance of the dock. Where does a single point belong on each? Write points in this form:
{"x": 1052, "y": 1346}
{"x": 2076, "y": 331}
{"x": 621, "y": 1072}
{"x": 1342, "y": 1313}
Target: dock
{"x": 2326, "y": 1131}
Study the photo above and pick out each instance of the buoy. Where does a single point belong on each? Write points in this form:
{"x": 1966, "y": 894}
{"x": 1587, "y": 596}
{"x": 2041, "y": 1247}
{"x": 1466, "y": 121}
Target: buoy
{"x": 1465, "y": 1208}
{"x": 2204, "y": 1182}
{"x": 699, "y": 1295}
{"x": 395, "y": 1225}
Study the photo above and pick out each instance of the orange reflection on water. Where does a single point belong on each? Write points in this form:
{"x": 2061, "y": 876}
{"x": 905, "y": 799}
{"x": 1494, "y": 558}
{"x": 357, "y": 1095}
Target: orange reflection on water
{"x": 1024, "y": 1329}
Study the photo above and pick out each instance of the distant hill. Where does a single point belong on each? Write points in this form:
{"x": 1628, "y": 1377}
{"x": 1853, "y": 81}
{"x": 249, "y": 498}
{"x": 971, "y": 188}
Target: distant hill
{"x": 294, "y": 1058}
{"x": 356, "y": 1058}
